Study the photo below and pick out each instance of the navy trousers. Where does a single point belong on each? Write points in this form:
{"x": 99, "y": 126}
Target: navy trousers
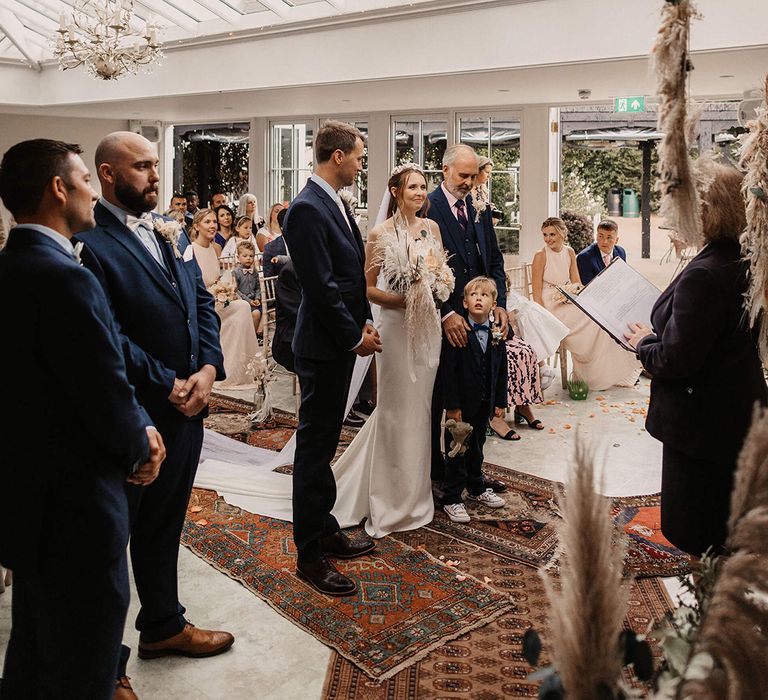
{"x": 67, "y": 624}
{"x": 465, "y": 471}
{"x": 157, "y": 518}
{"x": 324, "y": 389}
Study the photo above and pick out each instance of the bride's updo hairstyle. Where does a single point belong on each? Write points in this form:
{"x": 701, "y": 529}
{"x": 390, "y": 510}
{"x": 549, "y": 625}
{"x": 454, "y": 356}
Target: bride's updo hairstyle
{"x": 397, "y": 181}
{"x": 558, "y": 224}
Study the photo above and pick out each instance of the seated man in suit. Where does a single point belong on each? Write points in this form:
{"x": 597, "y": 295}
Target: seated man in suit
{"x": 596, "y": 257}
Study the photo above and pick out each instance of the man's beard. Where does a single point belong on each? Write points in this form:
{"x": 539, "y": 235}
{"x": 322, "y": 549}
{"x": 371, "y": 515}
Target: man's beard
{"x": 134, "y": 200}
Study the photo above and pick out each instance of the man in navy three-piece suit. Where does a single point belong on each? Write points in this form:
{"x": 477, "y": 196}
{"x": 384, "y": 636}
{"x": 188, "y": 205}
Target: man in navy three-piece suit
{"x": 597, "y": 256}
{"x": 472, "y": 248}
{"x": 72, "y": 434}
{"x": 169, "y": 333}
{"x": 332, "y": 327}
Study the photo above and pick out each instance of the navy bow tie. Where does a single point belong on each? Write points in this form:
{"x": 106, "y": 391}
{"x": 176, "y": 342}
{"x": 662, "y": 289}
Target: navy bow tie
{"x": 481, "y": 327}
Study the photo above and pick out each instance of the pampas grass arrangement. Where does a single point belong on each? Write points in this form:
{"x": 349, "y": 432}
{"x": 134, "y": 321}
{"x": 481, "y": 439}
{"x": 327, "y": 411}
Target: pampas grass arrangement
{"x": 588, "y": 609}
{"x": 754, "y": 157}
{"x": 680, "y": 200}
{"x": 730, "y": 656}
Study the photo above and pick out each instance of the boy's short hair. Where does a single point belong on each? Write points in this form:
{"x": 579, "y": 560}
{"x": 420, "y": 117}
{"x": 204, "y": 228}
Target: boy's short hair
{"x": 481, "y": 281}
{"x": 246, "y": 245}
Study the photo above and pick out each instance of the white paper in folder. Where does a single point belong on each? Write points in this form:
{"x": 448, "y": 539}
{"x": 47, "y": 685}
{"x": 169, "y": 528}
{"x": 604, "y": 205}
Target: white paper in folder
{"x": 616, "y": 297}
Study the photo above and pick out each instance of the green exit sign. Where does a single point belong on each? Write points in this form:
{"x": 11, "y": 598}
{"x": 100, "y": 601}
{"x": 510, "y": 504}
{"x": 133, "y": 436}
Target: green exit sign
{"x": 629, "y": 104}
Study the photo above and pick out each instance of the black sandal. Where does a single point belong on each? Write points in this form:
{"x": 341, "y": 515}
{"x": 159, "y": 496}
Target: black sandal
{"x": 536, "y": 424}
{"x": 509, "y": 435}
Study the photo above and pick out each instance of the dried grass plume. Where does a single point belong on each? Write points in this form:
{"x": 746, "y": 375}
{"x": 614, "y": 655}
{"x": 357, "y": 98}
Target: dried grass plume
{"x": 587, "y": 612}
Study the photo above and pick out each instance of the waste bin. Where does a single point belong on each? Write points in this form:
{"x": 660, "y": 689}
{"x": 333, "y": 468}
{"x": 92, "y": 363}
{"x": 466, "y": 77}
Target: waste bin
{"x": 614, "y": 201}
{"x": 630, "y": 204}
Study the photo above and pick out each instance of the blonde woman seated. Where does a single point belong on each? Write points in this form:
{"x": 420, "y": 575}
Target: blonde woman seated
{"x": 271, "y": 228}
{"x": 238, "y": 339}
{"x": 597, "y": 358}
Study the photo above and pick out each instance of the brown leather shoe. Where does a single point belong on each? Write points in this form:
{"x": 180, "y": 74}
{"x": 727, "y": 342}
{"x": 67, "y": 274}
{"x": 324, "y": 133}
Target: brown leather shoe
{"x": 323, "y": 577}
{"x": 340, "y": 546}
{"x": 123, "y": 690}
{"x": 191, "y": 641}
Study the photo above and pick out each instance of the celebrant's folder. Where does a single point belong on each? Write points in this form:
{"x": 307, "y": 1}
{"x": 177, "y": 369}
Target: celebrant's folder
{"x": 617, "y": 296}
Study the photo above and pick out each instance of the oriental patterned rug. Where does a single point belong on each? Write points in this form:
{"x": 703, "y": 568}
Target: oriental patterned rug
{"x": 487, "y": 663}
{"x": 524, "y": 529}
{"x": 408, "y": 602}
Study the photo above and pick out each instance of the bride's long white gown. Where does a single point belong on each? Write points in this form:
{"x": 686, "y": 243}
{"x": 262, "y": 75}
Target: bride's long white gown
{"x": 384, "y": 476}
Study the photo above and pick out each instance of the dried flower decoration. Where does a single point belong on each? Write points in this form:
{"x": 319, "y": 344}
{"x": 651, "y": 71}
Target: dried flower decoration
{"x": 171, "y": 232}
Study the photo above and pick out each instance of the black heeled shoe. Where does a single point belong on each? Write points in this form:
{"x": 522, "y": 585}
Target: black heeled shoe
{"x": 536, "y": 424}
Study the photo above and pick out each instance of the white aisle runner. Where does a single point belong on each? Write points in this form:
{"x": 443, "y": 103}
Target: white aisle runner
{"x": 242, "y": 475}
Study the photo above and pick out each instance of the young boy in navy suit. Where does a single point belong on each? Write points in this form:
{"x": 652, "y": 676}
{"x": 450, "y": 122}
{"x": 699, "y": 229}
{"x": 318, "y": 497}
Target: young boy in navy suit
{"x": 475, "y": 386}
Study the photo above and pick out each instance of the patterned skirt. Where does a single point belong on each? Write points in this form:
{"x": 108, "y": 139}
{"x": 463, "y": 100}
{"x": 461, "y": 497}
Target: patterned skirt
{"x": 523, "y": 381}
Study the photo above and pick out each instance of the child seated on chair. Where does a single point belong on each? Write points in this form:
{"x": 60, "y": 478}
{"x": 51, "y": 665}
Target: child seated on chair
{"x": 247, "y": 279}
{"x": 475, "y": 387}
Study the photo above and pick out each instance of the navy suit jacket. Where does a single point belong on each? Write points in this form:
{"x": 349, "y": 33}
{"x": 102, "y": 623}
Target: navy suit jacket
{"x": 491, "y": 259}
{"x": 590, "y": 261}
{"x": 462, "y": 373}
{"x": 702, "y": 355}
{"x": 273, "y": 248}
{"x": 329, "y": 261}
{"x": 168, "y": 325}
{"x": 70, "y": 427}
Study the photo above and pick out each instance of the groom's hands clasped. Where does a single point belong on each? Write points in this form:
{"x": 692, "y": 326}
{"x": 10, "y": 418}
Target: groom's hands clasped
{"x": 371, "y": 342}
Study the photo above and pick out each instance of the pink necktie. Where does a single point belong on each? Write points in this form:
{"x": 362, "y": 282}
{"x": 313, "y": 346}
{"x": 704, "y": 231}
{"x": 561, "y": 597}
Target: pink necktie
{"x": 606, "y": 259}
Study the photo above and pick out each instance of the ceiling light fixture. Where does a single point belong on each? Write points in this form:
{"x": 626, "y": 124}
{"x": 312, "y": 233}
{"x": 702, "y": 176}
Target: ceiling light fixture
{"x": 99, "y": 35}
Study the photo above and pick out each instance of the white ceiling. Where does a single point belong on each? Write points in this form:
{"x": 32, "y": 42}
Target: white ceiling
{"x": 26, "y": 26}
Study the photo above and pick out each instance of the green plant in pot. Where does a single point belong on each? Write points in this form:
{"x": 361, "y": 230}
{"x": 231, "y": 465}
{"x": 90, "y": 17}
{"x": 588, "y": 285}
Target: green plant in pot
{"x": 578, "y": 389}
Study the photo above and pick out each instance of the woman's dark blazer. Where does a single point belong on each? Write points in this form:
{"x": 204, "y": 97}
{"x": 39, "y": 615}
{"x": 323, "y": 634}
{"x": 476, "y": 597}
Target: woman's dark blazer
{"x": 703, "y": 358}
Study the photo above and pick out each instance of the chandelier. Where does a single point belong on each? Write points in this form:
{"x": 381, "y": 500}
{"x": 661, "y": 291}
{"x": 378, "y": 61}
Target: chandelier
{"x": 103, "y": 36}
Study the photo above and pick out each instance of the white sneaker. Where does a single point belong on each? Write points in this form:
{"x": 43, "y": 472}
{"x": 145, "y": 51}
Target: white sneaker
{"x": 488, "y": 498}
{"x": 457, "y": 512}
{"x": 547, "y": 376}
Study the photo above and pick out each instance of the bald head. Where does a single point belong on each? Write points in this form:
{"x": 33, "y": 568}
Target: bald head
{"x": 459, "y": 169}
{"x": 126, "y": 164}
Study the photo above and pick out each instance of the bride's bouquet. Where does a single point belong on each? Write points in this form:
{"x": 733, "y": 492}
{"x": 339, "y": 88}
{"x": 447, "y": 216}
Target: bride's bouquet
{"x": 570, "y": 287}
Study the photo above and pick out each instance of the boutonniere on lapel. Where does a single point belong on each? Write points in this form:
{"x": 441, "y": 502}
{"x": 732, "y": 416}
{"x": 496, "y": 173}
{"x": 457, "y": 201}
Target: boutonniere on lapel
{"x": 349, "y": 199}
{"x": 76, "y": 250}
{"x": 171, "y": 232}
{"x": 497, "y": 336}
{"x": 480, "y": 201}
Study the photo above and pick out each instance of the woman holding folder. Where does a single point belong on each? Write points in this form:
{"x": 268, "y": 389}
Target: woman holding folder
{"x": 706, "y": 375}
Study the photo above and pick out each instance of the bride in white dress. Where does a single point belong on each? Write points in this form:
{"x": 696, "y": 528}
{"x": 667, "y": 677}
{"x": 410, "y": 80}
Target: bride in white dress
{"x": 383, "y": 477}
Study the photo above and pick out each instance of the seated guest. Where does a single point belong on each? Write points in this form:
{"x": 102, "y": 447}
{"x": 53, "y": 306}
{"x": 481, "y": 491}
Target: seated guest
{"x": 218, "y": 199}
{"x": 597, "y": 359}
{"x": 225, "y": 219}
{"x": 249, "y": 206}
{"x": 276, "y": 252}
{"x": 242, "y": 233}
{"x": 178, "y": 204}
{"x": 596, "y": 256}
{"x": 271, "y": 229}
{"x": 247, "y": 278}
{"x": 288, "y": 298}
{"x": 238, "y": 340}
{"x": 193, "y": 201}
{"x": 475, "y": 386}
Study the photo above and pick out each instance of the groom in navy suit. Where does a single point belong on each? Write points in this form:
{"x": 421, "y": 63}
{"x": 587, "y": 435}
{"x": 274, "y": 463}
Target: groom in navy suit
{"x": 170, "y": 337}
{"x": 473, "y": 251}
{"x": 71, "y": 433}
{"x": 333, "y": 326}
{"x": 598, "y": 255}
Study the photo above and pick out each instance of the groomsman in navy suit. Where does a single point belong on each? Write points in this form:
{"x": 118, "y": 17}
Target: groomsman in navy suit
{"x": 473, "y": 251}
{"x": 71, "y": 433}
{"x": 597, "y": 256}
{"x": 170, "y": 337}
{"x": 333, "y": 327}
